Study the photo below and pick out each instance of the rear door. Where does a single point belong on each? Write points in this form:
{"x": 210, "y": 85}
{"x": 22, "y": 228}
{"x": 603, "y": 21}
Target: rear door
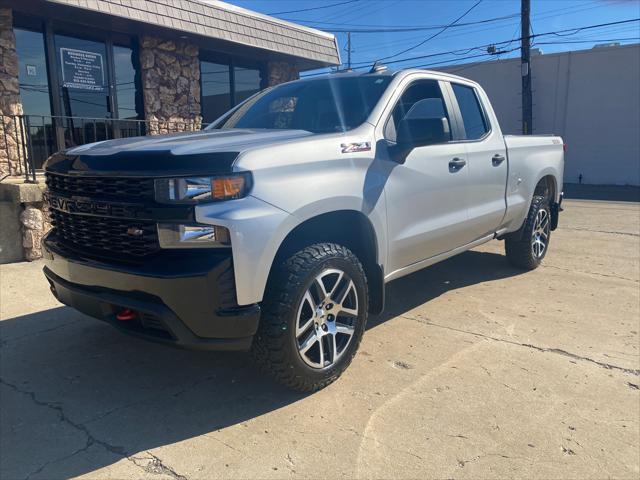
{"x": 426, "y": 194}
{"x": 486, "y": 161}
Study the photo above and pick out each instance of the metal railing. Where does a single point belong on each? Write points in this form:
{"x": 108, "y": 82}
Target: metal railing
{"x": 26, "y": 141}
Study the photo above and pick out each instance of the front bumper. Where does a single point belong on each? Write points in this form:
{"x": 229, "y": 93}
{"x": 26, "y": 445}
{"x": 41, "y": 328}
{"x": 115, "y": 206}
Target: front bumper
{"x": 182, "y": 298}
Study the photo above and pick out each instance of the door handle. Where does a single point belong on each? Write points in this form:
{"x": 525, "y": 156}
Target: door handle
{"x": 497, "y": 159}
{"x": 456, "y": 164}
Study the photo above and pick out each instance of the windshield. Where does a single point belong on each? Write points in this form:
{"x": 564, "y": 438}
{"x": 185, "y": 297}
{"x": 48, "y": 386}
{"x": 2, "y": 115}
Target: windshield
{"x": 320, "y": 106}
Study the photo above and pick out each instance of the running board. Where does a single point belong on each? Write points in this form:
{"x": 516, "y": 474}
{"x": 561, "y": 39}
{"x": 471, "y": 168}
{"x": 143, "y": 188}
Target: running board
{"x": 414, "y": 267}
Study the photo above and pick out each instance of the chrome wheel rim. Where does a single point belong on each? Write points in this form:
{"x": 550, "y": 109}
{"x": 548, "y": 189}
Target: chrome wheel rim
{"x": 540, "y": 236}
{"x": 326, "y": 318}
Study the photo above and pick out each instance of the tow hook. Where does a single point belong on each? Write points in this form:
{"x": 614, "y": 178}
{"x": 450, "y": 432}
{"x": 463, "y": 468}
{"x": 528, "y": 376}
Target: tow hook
{"x": 126, "y": 315}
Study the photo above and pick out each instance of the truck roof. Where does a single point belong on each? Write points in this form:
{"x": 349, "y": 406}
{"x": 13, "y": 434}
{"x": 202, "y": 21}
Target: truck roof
{"x": 387, "y": 73}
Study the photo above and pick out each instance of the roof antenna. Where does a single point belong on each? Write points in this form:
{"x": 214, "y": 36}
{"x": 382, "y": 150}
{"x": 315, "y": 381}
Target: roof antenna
{"x": 378, "y": 67}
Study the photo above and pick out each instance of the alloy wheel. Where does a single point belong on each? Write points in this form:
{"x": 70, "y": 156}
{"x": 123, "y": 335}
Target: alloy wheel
{"x": 326, "y": 318}
{"x": 540, "y": 235}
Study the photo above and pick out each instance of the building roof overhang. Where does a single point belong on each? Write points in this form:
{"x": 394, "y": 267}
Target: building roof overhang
{"x": 211, "y": 24}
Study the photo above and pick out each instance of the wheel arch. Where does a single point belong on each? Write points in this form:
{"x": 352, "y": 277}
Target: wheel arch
{"x": 546, "y": 185}
{"x": 350, "y": 228}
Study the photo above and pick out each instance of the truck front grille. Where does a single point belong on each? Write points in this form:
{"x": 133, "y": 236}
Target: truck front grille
{"x": 138, "y": 188}
{"x": 105, "y": 235}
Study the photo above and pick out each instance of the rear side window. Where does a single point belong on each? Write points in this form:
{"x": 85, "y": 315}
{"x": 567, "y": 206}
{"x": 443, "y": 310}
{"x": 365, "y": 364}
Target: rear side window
{"x": 475, "y": 123}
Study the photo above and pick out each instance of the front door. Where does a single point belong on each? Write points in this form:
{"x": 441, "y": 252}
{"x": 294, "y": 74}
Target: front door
{"x": 83, "y": 74}
{"x": 425, "y": 195}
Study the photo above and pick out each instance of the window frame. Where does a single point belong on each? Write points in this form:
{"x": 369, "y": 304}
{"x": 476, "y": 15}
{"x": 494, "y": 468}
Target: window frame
{"x": 462, "y": 133}
{"x": 448, "y": 105}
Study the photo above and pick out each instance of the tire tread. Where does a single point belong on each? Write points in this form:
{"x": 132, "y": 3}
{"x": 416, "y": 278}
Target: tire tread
{"x": 518, "y": 250}
{"x": 270, "y": 348}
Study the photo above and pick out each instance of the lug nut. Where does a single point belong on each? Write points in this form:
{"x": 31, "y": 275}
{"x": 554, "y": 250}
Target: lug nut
{"x": 330, "y": 318}
{"x": 324, "y": 327}
{"x": 329, "y": 306}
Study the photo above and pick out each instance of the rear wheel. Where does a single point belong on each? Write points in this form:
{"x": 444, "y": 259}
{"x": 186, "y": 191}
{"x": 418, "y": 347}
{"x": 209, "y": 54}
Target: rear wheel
{"x": 528, "y": 251}
{"x": 314, "y": 315}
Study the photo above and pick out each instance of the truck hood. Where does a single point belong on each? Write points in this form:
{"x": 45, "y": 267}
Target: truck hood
{"x": 189, "y": 153}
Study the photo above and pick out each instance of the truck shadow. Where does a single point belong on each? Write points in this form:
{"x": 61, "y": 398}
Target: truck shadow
{"x": 77, "y": 395}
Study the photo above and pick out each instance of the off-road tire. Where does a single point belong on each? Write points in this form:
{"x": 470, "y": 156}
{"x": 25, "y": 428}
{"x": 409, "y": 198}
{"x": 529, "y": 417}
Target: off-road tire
{"x": 519, "y": 248}
{"x": 275, "y": 347}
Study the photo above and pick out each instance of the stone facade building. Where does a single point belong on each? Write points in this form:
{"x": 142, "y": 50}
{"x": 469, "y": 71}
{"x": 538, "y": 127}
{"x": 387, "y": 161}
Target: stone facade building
{"x": 10, "y": 104}
{"x": 78, "y": 71}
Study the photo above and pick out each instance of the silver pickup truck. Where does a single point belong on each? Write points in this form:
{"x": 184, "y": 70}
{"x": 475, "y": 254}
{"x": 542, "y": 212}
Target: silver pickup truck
{"x": 276, "y": 229}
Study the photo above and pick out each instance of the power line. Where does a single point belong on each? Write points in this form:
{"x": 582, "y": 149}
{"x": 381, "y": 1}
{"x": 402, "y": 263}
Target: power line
{"x": 603, "y": 40}
{"x": 435, "y": 34}
{"x": 313, "y": 8}
{"x": 416, "y": 28}
{"x": 508, "y": 41}
{"x": 482, "y": 47}
{"x": 408, "y": 28}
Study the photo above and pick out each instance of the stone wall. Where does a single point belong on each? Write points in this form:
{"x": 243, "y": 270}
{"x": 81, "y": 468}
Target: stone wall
{"x": 280, "y": 72}
{"x": 11, "y": 152}
{"x": 25, "y": 214}
{"x": 35, "y": 223}
{"x": 170, "y": 73}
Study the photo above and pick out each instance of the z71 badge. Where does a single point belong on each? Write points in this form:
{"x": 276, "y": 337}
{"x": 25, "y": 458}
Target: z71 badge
{"x": 355, "y": 147}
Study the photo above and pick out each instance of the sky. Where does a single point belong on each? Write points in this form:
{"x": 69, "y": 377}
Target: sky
{"x": 546, "y": 16}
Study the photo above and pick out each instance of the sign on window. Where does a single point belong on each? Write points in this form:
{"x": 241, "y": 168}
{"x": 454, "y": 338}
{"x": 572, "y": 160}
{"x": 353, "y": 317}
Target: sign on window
{"x": 82, "y": 70}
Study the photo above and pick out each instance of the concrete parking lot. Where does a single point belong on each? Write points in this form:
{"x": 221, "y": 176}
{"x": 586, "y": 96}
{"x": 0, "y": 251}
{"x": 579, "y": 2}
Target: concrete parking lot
{"x": 476, "y": 370}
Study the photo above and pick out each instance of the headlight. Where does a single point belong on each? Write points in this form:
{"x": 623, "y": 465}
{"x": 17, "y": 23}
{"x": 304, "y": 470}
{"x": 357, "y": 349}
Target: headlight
{"x": 202, "y": 189}
{"x": 192, "y": 236}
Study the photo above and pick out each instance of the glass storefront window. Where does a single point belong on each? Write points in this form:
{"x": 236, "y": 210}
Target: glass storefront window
{"x": 34, "y": 84}
{"x": 34, "y": 92}
{"x": 125, "y": 76}
{"x": 96, "y": 94}
{"x": 126, "y": 91}
{"x": 223, "y": 86}
{"x": 216, "y": 90}
{"x": 247, "y": 82}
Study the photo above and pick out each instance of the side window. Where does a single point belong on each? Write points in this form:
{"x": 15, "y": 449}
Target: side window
{"x": 421, "y": 108}
{"x": 475, "y": 123}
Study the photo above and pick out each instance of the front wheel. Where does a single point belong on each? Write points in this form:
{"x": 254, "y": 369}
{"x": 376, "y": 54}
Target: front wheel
{"x": 528, "y": 251}
{"x": 314, "y": 315}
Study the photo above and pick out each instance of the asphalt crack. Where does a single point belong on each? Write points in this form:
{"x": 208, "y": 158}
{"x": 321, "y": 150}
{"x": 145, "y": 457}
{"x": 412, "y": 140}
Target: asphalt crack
{"x": 607, "y": 275}
{"x": 558, "y": 351}
{"x": 611, "y": 232}
{"x": 154, "y": 466}
{"x": 9, "y": 341}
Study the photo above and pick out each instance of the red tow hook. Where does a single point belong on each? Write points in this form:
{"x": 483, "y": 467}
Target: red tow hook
{"x": 126, "y": 315}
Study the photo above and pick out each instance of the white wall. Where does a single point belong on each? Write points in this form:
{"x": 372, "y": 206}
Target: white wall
{"x": 589, "y": 97}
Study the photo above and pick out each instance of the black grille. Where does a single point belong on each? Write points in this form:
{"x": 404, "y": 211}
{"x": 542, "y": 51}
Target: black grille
{"x": 139, "y": 188}
{"x": 100, "y": 235}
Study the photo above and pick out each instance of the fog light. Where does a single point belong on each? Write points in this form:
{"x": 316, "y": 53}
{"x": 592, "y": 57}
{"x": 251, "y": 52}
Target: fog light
{"x": 192, "y": 236}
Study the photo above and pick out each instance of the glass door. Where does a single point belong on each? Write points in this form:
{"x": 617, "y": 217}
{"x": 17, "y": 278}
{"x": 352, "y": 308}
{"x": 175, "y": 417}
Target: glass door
{"x": 83, "y": 74}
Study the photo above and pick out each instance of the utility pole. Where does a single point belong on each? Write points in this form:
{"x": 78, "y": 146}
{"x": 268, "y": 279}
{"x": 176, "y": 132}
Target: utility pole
{"x": 525, "y": 58}
{"x": 348, "y": 50}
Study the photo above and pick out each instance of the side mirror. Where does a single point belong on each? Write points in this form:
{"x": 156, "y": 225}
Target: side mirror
{"x": 419, "y": 132}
